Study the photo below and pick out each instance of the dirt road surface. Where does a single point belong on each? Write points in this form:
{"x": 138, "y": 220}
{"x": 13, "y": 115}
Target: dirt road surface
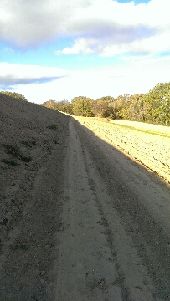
{"x": 115, "y": 243}
{"x": 95, "y": 226}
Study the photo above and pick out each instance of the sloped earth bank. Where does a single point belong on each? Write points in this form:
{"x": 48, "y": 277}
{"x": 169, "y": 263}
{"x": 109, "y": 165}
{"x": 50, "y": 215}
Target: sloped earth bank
{"x": 33, "y": 144}
{"x": 79, "y": 221}
{"x": 144, "y": 143}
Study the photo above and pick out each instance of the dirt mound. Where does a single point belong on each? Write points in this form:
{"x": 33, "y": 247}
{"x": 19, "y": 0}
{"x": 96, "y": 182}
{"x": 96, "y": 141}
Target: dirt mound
{"x": 32, "y": 140}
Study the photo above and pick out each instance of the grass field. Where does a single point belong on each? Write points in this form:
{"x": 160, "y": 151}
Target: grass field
{"x": 144, "y": 127}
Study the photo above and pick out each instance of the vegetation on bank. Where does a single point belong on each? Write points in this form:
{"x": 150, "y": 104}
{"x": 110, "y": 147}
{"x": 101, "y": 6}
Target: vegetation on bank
{"x": 152, "y": 107}
{"x": 13, "y": 95}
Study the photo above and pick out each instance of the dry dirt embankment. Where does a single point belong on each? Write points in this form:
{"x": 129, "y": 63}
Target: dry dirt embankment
{"x": 32, "y": 152}
{"x": 145, "y": 143}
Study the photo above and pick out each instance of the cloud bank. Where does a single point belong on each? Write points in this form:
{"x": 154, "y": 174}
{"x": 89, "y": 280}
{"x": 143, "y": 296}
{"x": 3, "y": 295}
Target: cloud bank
{"x": 16, "y": 74}
{"x": 9, "y": 80}
{"x": 96, "y": 26}
{"x": 135, "y": 75}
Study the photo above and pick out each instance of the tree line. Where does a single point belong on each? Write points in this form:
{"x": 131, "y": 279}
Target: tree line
{"x": 152, "y": 107}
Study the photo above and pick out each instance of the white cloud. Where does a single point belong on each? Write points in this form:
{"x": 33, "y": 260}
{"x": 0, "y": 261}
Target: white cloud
{"x": 149, "y": 45}
{"x": 159, "y": 43}
{"x": 15, "y": 74}
{"x": 113, "y": 26}
{"x": 33, "y": 71}
{"x": 28, "y": 23}
{"x": 81, "y": 46}
{"x": 109, "y": 28}
{"x": 132, "y": 76}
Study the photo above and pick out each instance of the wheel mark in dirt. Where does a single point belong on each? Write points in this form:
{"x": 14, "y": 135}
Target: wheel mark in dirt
{"x": 121, "y": 278}
{"x": 85, "y": 271}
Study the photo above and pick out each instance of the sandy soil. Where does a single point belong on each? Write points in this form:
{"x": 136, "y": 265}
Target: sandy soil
{"x": 79, "y": 220}
{"x": 145, "y": 143}
{"x": 32, "y": 152}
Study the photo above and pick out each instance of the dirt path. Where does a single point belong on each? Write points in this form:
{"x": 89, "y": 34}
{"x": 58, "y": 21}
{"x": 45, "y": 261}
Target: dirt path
{"x": 116, "y": 229}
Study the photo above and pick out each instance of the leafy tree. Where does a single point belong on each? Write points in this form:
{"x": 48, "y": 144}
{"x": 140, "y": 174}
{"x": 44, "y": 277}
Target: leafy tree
{"x": 107, "y": 99}
{"x": 82, "y": 106}
{"x": 50, "y": 104}
{"x": 133, "y": 107}
{"x": 64, "y": 106}
{"x": 121, "y": 106}
{"x": 102, "y": 107}
{"x": 153, "y": 106}
{"x": 157, "y": 104}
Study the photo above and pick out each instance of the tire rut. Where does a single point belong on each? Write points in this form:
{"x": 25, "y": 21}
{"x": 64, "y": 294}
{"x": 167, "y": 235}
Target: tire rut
{"x": 86, "y": 268}
{"x": 104, "y": 222}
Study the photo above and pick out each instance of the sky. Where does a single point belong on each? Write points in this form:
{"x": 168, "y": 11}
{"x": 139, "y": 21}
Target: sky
{"x": 55, "y": 49}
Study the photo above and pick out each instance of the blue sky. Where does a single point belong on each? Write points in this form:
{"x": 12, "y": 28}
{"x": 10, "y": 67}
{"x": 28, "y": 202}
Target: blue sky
{"x": 61, "y": 49}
